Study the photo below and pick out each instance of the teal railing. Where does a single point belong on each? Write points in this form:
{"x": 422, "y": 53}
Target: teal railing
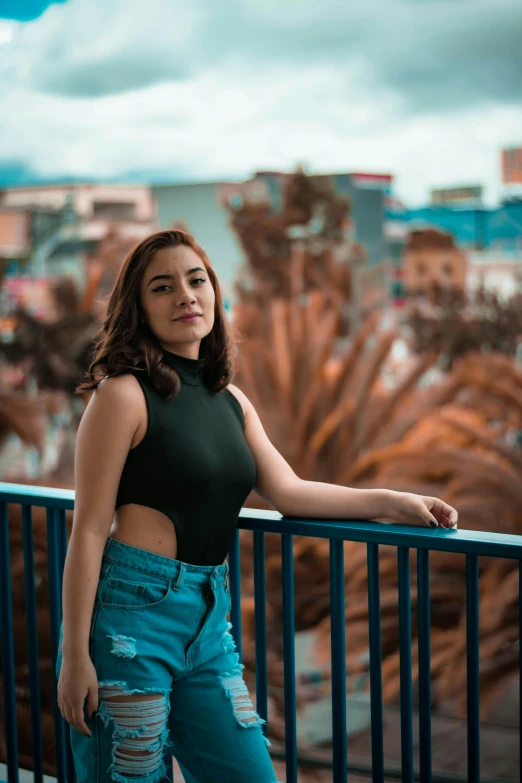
{"x": 470, "y": 544}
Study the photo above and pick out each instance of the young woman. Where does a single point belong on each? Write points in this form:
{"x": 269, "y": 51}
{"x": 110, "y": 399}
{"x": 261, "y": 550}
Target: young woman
{"x": 167, "y": 452}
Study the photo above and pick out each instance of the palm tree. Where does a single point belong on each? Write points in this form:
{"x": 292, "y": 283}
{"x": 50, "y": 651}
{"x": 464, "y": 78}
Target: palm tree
{"x": 326, "y": 408}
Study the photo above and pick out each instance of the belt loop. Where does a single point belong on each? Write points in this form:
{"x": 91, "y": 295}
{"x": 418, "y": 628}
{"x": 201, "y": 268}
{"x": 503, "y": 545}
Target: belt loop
{"x": 180, "y": 577}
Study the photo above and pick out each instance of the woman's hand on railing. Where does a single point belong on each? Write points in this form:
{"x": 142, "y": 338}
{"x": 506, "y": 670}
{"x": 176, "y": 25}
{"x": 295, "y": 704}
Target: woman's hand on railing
{"x": 405, "y": 508}
{"x": 78, "y": 681}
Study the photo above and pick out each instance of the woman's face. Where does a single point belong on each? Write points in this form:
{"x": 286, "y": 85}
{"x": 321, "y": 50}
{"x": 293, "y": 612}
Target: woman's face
{"x": 174, "y": 284}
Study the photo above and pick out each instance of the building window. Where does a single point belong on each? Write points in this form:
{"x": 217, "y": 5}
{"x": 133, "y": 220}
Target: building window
{"x": 114, "y": 210}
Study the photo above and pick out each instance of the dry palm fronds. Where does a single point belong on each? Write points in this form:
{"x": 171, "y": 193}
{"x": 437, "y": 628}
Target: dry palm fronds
{"x": 24, "y": 417}
{"x": 56, "y": 352}
{"x": 447, "y": 439}
{"x": 459, "y": 323}
{"x": 280, "y": 267}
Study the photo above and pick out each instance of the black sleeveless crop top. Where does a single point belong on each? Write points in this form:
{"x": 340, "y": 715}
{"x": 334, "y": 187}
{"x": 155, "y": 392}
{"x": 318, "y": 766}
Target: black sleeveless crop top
{"x": 193, "y": 464}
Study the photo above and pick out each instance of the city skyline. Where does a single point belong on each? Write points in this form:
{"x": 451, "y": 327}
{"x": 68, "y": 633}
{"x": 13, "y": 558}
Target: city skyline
{"x": 429, "y": 92}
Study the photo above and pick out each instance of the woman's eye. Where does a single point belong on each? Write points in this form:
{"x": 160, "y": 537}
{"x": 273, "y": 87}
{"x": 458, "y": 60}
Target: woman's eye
{"x": 165, "y": 285}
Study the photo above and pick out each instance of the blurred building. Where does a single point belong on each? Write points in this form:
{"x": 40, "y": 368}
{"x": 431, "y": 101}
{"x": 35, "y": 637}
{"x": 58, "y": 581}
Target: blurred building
{"x": 511, "y": 172}
{"x": 489, "y": 238}
{"x": 15, "y": 231}
{"x": 53, "y": 229}
{"x": 431, "y": 258}
{"x": 119, "y": 202}
{"x": 463, "y": 196}
{"x": 201, "y": 209}
{"x": 495, "y": 271}
{"x": 21, "y": 230}
{"x": 460, "y": 211}
{"x": 63, "y": 225}
{"x": 196, "y": 208}
{"x": 473, "y": 227}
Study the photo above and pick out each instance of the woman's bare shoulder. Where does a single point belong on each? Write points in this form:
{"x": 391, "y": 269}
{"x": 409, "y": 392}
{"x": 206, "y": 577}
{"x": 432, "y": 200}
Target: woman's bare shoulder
{"x": 117, "y": 390}
{"x": 240, "y": 397}
{"x": 120, "y": 384}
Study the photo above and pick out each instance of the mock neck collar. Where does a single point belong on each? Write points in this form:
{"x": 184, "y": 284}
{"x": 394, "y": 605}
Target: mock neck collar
{"x": 189, "y": 370}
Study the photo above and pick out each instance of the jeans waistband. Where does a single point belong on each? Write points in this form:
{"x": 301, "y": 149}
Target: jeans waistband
{"x": 158, "y": 565}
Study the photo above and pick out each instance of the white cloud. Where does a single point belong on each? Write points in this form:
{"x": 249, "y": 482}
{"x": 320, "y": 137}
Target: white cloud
{"x": 8, "y": 32}
{"x": 93, "y": 89}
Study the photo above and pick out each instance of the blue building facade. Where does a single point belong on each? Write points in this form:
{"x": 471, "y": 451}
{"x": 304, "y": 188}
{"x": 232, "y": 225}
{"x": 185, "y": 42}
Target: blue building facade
{"x": 476, "y": 228}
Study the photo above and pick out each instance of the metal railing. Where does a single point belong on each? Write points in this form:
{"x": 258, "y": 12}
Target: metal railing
{"x": 471, "y": 544}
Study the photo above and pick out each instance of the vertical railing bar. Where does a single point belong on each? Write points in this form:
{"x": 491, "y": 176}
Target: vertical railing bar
{"x": 287, "y": 557}
{"x": 423, "y": 624}
{"x": 61, "y": 539}
{"x": 234, "y": 562}
{"x": 473, "y": 672}
{"x": 53, "y": 565}
{"x": 374, "y": 626}
{"x": 33, "y": 660}
{"x": 260, "y": 628}
{"x": 405, "y": 665}
{"x": 338, "y": 653}
{"x": 8, "y": 659}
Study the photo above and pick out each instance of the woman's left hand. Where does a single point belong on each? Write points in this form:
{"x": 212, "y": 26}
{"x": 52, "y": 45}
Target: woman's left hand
{"x": 405, "y": 508}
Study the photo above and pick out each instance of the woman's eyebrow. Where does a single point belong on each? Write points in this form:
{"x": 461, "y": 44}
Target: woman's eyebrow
{"x": 169, "y": 277}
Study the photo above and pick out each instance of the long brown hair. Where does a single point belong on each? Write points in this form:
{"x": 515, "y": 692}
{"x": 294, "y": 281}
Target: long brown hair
{"x": 126, "y": 344}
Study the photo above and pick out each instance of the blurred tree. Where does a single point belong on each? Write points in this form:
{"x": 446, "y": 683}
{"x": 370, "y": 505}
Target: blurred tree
{"x": 455, "y": 323}
{"x": 55, "y": 351}
{"x": 58, "y": 351}
{"x": 302, "y": 247}
{"x": 24, "y": 417}
{"x": 104, "y": 265}
{"x": 326, "y": 408}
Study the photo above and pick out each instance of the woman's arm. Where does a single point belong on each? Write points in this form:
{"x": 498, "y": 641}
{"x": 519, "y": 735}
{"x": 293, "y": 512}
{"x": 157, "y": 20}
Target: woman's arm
{"x": 104, "y": 437}
{"x": 277, "y": 483}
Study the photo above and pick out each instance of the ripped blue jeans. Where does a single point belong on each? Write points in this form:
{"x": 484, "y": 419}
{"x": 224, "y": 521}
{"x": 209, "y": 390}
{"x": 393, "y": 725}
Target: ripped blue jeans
{"x": 170, "y": 682}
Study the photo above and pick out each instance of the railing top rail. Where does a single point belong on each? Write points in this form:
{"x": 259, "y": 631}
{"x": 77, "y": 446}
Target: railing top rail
{"x": 30, "y": 495}
{"x": 474, "y": 542}
{"x": 459, "y": 541}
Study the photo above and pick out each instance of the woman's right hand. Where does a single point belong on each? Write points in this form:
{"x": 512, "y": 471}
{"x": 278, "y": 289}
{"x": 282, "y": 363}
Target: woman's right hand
{"x": 78, "y": 681}
{"x": 406, "y": 508}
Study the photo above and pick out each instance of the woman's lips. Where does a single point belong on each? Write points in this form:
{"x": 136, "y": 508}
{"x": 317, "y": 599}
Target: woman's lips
{"x": 188, "y": 319}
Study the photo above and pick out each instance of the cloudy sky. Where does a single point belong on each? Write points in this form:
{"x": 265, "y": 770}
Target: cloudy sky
{"x": 172, "y": 90}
